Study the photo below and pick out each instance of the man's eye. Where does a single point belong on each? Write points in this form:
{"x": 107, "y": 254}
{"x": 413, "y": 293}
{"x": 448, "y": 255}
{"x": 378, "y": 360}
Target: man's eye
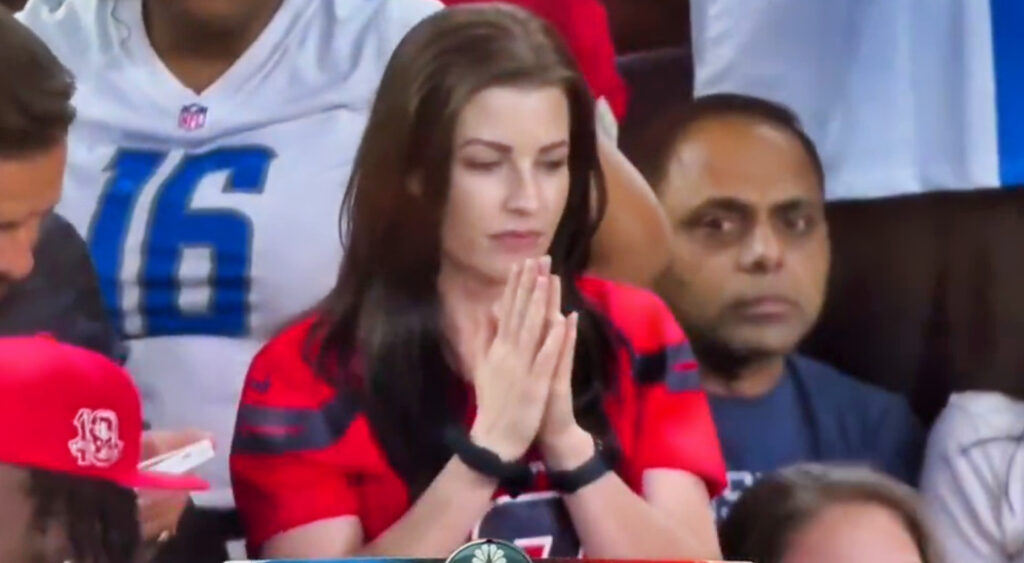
{"x": 801, "y": 224}
{"x": 717, "y": 224}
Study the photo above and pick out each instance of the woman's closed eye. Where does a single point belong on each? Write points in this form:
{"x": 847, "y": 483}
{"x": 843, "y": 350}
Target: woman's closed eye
{"x": 482, "y": 164}
{"x": 554, "y": 165}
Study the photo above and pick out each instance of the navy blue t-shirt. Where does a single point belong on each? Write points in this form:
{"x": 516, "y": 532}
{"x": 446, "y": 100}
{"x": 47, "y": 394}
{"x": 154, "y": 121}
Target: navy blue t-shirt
{"x": 815, "y": 413}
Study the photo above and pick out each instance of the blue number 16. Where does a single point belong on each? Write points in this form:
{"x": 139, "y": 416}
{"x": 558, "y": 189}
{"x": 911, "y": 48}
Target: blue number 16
{"x": 171, "y": 226}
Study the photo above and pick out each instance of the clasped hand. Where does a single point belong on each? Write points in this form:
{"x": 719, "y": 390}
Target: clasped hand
{"x": 522, "y": 372}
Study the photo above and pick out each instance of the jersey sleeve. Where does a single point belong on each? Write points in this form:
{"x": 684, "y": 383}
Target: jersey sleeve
{"x": 292, "y": 441}
{"x": 583, "y": 25}
{"x": 674, "y": 428}
{"x": 67, "y": 28}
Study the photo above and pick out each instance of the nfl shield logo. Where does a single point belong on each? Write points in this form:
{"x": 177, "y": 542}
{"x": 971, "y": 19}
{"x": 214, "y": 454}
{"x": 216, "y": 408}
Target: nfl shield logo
{"x": 192, "y": 117}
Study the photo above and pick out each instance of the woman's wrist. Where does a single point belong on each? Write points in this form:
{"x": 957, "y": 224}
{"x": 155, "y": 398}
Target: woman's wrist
{"x": 514, "y": 476}
{"x": 507, "y": 452}
{"x": 569, "y": 450}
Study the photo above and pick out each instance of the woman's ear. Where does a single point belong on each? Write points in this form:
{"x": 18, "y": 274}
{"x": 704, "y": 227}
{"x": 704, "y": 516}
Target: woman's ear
{"x": 415, "y": 185}
{"x": 53, "y": 540}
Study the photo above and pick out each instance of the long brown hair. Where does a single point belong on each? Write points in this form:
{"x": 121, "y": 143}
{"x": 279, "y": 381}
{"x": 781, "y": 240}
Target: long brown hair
{"x": 383, "y": 317}
{"x": 761, "y": 525}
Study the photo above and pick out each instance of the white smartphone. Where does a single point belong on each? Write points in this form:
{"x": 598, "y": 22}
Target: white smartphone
{"x": 180, "y": 461}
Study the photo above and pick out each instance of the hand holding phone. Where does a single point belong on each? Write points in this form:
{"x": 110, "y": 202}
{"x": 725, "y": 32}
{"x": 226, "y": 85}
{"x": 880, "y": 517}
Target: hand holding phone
{"x": 182, "y": 460}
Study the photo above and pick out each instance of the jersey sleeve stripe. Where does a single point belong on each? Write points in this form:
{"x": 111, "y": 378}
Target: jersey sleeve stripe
{"x": 674, "y": 365}
{"x": 277, "y": 430}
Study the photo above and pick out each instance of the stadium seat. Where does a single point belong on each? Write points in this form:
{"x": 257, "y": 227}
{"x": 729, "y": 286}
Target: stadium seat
{"x": 927, "y": 294}
{"x": 643, "y": 25}
{"x": 656, "y": 80}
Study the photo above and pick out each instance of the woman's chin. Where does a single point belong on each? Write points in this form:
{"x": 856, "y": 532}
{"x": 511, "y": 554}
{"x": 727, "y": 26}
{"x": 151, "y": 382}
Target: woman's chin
{"x": 505, "y": 265}
{"x": 496, "y": 269}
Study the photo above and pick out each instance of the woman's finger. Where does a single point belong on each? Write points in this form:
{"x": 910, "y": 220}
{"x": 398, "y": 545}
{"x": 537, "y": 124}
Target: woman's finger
{"x": 555, "y": 298}
{"x": 535, "y": 322}
{"x": 503, "y": 309}
{"x": 546, "y": 360}
{"x": 482, "y": 336}
{"x": 524, "y": 294}
{"x": 563, "y": 372}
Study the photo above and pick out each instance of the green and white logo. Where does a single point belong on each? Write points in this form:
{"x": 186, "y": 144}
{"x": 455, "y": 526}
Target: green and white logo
{"x": 489, "y": 551}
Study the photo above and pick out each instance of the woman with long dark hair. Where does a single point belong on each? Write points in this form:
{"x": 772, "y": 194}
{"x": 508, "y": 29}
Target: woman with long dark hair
{"x": 205, "y": 163}
{"x": 463, "y": 378}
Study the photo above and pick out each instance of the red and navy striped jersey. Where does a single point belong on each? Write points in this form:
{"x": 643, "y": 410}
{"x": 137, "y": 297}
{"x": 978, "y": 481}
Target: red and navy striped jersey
{"x": 303, "y": 451}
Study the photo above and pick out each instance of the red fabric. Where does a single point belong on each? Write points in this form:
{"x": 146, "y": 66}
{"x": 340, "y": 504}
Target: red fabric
{"x": 282, "y": 479}
{"x": 73, "y": 411}
{"x": 584, "y": 27}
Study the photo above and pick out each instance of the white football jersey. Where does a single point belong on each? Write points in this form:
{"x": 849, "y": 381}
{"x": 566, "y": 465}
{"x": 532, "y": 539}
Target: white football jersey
{"x": 900, "y": 96}
{"x": 213, "y": 218}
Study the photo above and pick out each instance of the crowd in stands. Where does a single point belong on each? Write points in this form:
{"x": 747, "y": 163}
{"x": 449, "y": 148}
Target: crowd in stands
{"x": 396, "y": 261}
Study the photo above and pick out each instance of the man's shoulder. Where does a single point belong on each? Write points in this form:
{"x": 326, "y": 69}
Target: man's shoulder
{"x": 389, "y": 19}
{"x": 61, "y": 296}
{"x": 61, "y": 255}
{"x": 862, "y": 421}
{"x": 72, "y": 29}
{"x": 58, "y": 232}
{"x": 407, "y": 13}
{"x": 356, "y": 37}
{"x": 838, "y": 389}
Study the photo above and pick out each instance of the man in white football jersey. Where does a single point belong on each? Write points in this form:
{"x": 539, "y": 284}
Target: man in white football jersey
{"x": 901, "y": 96}
{"x": 206, "y": 167}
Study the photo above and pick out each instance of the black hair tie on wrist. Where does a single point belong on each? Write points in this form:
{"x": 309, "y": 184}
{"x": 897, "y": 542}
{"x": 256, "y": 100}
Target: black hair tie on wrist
{"x": 569, "y": 481}
{"x": 513, "y": 476}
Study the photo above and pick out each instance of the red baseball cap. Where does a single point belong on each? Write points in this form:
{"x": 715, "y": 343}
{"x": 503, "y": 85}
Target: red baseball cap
{"x": 69, "y": 410}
